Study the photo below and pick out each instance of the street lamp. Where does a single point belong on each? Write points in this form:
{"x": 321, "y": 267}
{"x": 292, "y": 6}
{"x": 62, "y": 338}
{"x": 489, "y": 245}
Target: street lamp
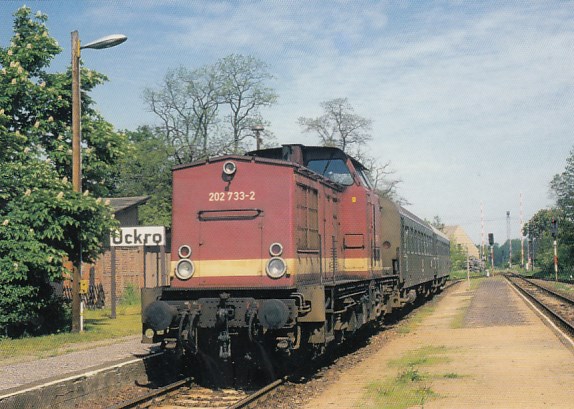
{"x": 104, "y": 42}
{"x": 257, "y": 129}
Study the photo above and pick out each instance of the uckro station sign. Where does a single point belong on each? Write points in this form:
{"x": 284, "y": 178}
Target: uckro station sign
{"x": 138, "y": 236}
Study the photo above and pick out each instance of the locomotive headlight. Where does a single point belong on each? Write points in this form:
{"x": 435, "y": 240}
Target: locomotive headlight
{"x": 276, "y": 267}
{"x": 276, "y": 249}
{"x": 184, "y": 269}
{"x": 229, "y": 168}
{"x": 184, "y": 251}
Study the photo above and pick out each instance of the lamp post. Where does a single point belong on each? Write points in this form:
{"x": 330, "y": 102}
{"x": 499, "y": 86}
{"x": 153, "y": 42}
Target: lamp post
{"x": 104, "y": 42}
{"x": 257, "y": 129}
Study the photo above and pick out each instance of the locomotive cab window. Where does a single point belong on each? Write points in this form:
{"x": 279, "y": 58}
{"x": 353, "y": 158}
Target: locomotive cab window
{"x": 364, "y": 176}
{"x": 334, "y": 169}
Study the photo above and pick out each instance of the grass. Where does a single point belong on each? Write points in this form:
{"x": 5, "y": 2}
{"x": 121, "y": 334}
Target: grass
{"x": 414, "y": 320}
{"x": 568, "y": 288}
{"x": 462, "y": 274}
{"x": 406, "y": 390}
{"x": 98, "y": 328}
{"x": 412, "y": 386}
{"x": 425, "y": 356}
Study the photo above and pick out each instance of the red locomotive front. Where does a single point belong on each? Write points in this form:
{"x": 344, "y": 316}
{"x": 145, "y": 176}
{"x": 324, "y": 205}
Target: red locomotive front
{"x": 281, "y": 250}
{"x": 234, "y": 224}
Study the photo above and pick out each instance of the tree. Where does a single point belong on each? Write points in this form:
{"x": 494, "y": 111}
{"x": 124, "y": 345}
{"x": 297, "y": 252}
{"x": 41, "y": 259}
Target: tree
{"x": 339, "y": 126}
{"x": 211, "y": 110}
{"x": 40, "y": 103}
{"x": 539, "y": 232}
{"x": 458, "y": 256}
{"x": 148, "y": 172}
{"x": 383, "y": 183}
{"x": 437, "y": 223}
{"x": 244, "y": 92}
{"x": 562, "y": 187}
{"x": 187, "y": 106}
{"x": 42, "y": 219}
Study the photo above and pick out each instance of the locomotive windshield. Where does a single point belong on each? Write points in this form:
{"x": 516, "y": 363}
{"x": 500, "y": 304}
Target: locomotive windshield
{"x": 334, "y": 169}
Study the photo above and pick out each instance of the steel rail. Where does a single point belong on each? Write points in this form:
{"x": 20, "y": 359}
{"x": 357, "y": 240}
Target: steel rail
{"x": 258, "y": 395}
{"x": 134, "y": 402}
{"x": 553, "y": 315}
{"x": 561, "y": 297}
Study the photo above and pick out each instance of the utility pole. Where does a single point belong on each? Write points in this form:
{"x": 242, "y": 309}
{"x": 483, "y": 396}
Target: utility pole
{"x": 508, "y": 237}
{"x": 482, "y": 255}
{"x": 521, "y": 234}
{"x": 76, "y": 177}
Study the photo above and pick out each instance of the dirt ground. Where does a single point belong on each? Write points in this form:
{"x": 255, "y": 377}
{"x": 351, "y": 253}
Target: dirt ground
{"x": 482, "y": 348}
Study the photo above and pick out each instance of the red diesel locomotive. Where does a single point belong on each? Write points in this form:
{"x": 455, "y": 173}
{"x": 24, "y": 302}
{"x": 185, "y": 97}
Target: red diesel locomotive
{"x": 285, "y": 249}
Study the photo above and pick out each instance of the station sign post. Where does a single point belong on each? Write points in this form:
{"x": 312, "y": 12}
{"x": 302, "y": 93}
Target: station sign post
{"x": 137, "y": 236}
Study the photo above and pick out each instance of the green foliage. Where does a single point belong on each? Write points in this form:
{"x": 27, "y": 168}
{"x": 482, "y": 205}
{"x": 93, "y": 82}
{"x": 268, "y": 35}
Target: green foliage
{"x": 41, "y": 219}
{"x": 539, "y": 233}
{"x": 539, "y": 227}
{"x": 457, "y": 256}
{"x": 131, "y": 295}
{"x": 98, "y": 327}
{"x": 411, "y": 387}
{"x": 146, "y": 170}
{"x": 562, "y": 185}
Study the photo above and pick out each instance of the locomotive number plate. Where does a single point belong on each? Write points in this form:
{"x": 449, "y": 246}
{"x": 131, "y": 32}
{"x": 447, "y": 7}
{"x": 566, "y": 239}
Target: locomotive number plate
{"x": 231, "y": 196}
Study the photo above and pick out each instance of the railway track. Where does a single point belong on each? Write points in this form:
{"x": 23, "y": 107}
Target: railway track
{"x": 558, "y": 307}
{"x": 184, "y": 394}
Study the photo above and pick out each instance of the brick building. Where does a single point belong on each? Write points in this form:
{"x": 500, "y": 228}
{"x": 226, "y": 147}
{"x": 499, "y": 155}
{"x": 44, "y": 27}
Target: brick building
{"x": 135, "y": 266}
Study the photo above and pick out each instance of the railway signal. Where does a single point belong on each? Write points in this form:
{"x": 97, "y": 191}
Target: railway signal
{"x": 491, "y": 242}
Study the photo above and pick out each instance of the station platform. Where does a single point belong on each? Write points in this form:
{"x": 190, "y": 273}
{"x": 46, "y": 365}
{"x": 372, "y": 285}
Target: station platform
{"x": 21, "y": 377}
{"x": 481, "y": 346}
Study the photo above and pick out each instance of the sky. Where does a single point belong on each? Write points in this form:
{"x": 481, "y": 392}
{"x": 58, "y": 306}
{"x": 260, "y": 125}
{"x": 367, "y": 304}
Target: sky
{"x": 471, "y": 101}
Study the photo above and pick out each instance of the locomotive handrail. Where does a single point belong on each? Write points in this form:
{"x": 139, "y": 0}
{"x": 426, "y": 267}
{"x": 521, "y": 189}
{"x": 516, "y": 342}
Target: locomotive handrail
{"x": 229, "y": 214}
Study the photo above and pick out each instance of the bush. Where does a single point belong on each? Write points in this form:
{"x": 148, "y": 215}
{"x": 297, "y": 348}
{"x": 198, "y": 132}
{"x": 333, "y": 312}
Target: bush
{"x": 131, "y": 295}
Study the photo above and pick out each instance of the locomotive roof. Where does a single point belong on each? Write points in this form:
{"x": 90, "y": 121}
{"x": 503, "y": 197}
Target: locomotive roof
{"x": 287, "y": 152}
{"x": 292, "y": 153}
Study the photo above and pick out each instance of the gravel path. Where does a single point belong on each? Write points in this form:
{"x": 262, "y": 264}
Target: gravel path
{"x": 493, "y": 305}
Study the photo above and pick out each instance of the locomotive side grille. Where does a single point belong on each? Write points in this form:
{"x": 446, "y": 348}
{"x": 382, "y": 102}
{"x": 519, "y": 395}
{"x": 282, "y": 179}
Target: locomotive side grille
{"x": 307, "y": 218}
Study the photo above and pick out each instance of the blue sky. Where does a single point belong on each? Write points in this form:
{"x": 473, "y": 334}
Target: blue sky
{"x": 471, "y": 101}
